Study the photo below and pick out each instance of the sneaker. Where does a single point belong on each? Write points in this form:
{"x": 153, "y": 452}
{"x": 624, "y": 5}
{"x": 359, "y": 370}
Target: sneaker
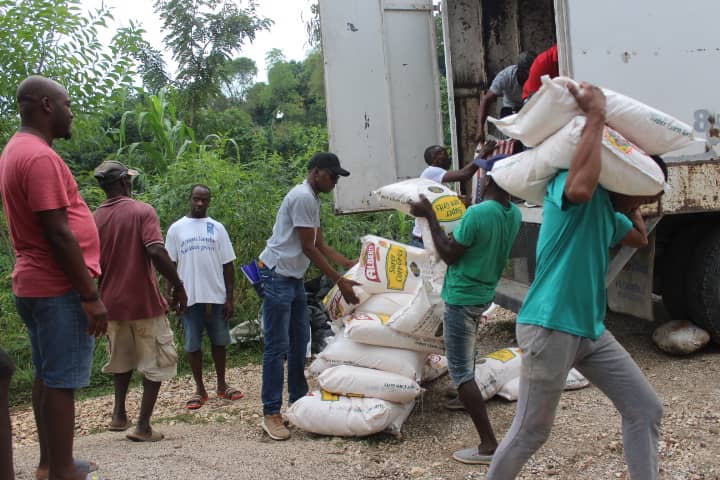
{"x": 451, "y": 391}
{"x": 455, "y": 404}
{"x": 274, "y": 426}
{"x": 471, "y": 456}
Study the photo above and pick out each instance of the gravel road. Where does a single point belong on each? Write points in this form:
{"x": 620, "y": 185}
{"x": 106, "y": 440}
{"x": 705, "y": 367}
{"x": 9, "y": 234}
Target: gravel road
{"x": 223, "y": 440}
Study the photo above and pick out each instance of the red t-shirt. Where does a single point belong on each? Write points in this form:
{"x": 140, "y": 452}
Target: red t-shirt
{"x": 33, "y": 178}
{"x": 544, "y": 64}
{"x": 128, "y": 285}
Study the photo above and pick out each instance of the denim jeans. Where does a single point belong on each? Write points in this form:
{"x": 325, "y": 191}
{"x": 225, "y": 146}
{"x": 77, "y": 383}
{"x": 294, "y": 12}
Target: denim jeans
{"x": 285, "y": 334}
{"x": 460, "y": 325}
{"x": 62, "y": 350}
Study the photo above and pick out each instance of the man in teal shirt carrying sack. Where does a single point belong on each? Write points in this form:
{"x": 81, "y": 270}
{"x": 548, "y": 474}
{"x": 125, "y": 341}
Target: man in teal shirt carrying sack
{"x": 476, "y": 256}
{"x": 561, "y": 323}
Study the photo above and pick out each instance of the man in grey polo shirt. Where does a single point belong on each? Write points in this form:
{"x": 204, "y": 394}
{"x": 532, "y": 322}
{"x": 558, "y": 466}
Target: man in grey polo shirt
{"x": 295, "y": 242}
{"x": 507, "y": 84}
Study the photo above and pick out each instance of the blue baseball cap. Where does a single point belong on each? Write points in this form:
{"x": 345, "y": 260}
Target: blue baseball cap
{"x": 487, "y": 165}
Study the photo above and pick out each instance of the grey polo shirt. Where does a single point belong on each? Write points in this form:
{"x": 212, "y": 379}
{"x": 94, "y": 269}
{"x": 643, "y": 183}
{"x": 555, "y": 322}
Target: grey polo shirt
{"x": 300, "y": 208}
{"x": 506, "y": 84}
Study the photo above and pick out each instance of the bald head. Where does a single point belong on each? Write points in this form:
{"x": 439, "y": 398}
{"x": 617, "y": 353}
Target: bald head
{"x": 44, "y": 104}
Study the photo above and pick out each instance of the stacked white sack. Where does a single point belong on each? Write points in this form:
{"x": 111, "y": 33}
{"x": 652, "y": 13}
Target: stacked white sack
{"x": 325, "y": 413}
{"x": 553, "y": 106}
{"x": 365, "y": 389}
{"x": 448, "y": 207}
{"x": 386, "y": 266}
{"x": 367, "y": 382}
{"x": 335, "y": 304}
{"x": 435, "y": 366}
{"x": 343, "y": 351}
{"x": 369, "y": 373}
{"x": 625, "y": 168}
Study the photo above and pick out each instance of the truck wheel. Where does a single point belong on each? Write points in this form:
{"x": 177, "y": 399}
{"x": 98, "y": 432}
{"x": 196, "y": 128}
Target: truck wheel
{"x": 703, "y": 284}
{"x": 673, "y": 272}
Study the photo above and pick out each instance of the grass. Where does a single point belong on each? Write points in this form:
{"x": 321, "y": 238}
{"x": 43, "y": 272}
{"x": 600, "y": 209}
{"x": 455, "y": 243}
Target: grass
{"x": 187, "y": 418}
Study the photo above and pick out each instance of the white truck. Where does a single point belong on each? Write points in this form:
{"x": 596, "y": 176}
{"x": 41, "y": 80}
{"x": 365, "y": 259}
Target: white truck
{"x": 384, "y": 107}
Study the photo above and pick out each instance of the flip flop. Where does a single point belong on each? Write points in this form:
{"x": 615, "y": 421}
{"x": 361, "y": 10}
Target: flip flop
{"x": 83, "y": 466}
{"x": 94, "y": 476}
{"x": 154, "y": 436}
{"x": 120, "y": 428}
{"x": 231, "y": 393}
{"x": 195, "y": 402}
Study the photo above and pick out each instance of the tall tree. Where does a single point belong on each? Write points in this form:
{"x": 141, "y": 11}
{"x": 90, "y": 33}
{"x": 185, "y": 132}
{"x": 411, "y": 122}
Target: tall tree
{"x": 56, "y": 39}
{"x": 202, "y": 36}
{"x": 239, "y": 76}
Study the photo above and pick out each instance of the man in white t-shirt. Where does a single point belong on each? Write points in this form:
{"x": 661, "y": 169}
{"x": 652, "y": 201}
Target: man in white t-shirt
{"x": 201, "y": 248}
{"x": 438, "y": 162}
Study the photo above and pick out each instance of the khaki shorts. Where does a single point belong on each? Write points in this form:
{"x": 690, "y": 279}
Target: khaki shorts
{"x": 144, "y": 345}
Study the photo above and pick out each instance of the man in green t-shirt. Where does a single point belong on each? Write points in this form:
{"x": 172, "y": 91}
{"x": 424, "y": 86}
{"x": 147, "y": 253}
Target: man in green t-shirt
{"x": 476, "y": 256}
{"x": 560, "y": 325}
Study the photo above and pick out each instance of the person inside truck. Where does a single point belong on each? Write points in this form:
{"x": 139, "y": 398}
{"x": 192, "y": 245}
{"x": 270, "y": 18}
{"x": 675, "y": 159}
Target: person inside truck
{"x": 561, "y": 323}
{"x": 476, "y": 255}
{"x": 438, "y": 161}
{"x": 507, "y": 84}
{"x": 545, "y": 63}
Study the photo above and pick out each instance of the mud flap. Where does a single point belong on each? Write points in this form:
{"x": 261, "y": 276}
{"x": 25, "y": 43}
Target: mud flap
{"x": 630, "y": 291}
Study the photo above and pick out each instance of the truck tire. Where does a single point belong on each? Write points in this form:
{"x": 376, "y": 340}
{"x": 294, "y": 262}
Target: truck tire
{"x": 703, "y": 284}
{"x": 673, "y": 271}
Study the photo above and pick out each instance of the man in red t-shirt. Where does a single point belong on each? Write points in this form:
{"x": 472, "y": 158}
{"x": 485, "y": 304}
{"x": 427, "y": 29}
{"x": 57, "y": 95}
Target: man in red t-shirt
{"x": 57, "y": 253}
{"x": 140, "y": 336}
{"x": 545, "y": 64}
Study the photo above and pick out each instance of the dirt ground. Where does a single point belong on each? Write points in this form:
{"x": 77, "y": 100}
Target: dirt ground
{"x": 223, "y": 439}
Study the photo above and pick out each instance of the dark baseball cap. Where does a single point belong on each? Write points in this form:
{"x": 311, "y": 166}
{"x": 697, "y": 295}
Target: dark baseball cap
{"x": 112, "y": 170}
{"x": 488, "y": 164}
{"x": 328, "y": 161}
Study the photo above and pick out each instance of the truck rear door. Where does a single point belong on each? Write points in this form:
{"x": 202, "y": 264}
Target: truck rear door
{"x": 382, "y": 90}
{"x": 664, "y": 53}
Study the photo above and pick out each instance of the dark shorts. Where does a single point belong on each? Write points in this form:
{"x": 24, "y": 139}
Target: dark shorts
{"x": 201, "y": 316}
{"x": 62, "y": 350}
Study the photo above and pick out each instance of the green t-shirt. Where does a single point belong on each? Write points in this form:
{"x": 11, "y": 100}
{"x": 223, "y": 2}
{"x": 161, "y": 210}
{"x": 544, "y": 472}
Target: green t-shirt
{"x": 573, "y": 249}
{"x": 488, "y": 229}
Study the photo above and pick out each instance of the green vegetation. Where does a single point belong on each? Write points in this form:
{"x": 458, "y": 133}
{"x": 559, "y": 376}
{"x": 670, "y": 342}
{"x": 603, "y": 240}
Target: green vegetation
{"x": 250, "y": 142}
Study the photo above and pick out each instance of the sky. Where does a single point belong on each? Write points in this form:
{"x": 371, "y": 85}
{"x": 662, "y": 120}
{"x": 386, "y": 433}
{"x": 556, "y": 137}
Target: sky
{"x": 288, "y": 33}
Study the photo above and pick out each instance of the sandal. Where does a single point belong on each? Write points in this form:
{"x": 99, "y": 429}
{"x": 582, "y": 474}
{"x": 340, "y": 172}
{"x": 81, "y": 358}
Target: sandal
{"x": 94, "y": 476}
{"x": 230, "y": 393}
{"x": 83, "y": 466}
{"x": 195, "y": 402}
{"x": 154, "y": 436}
{"x": 120, "y": 427}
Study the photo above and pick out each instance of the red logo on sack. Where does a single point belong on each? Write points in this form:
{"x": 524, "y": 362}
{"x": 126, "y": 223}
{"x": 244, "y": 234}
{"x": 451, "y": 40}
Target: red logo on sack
{"x": 371, "y": 270}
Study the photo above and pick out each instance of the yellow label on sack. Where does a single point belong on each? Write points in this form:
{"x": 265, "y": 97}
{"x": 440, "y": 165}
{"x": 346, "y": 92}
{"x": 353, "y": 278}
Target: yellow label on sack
{"x": 504, "y": 355}
{"x": 396, "y": 267}
{"x": 326, "y": 396}
{"x": 448, "y": 208}
{"x": 617, "y": 142}
{"x": 355, "y": 395}
{"x": 385, "y": 319}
